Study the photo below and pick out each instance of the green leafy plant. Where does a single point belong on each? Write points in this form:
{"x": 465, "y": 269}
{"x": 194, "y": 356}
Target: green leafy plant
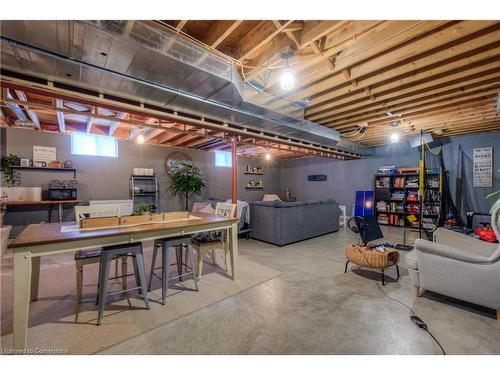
{"x": 188, "y": 181}
{"x": 143, "y": 209}
{"x": 11, "y": 177}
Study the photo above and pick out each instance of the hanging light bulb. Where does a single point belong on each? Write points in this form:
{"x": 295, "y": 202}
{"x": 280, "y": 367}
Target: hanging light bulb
{"x": 394, "y": 137}
{"x": 287, "y": 80}
{"x": 287, "y": 77}
{"x": 140, "y": 139}
{"x": 268, "y": 156}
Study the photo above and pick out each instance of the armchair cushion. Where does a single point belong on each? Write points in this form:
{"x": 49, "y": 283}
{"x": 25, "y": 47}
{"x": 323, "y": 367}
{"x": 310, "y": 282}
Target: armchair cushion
{"x": 463, "y": 242}
{"x": 411, "y": 260}
{"x": 450, "y": 252}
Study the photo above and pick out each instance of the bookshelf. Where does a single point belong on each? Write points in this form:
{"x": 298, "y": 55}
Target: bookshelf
{"x": 396, "y": 199}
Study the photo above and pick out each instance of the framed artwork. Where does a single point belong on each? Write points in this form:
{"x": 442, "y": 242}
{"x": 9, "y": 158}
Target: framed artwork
{"x": 483, "y": 167}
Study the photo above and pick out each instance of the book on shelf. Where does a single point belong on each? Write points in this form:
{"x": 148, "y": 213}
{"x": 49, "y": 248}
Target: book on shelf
{"x": 398, "y": 195}
{"x": 412, "y": 196}
{"x": 382, "y": 206}
{"x": 383, "y": 219}
{"x": 413, "y": 208}
{"x": 382, "y": 182}
{"x": 399, "y": 182}
{"x": 412, "y": 181}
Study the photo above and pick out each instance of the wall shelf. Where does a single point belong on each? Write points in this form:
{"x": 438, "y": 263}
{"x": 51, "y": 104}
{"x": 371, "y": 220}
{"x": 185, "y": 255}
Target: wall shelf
{"x": 254, "y": 173}
{"x": 46, "y": 169}
{"x": 254, "y": 188}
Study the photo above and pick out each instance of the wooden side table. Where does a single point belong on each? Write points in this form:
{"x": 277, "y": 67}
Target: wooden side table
{"x": 371, "y": 258}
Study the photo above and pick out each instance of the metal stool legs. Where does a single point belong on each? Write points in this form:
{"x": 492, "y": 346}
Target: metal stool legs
{"x": 166, "y": 250}
{"x": 107, "y": 256}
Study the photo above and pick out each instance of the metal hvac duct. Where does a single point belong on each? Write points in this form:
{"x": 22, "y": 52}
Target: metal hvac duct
{"x": 135, "y": 60}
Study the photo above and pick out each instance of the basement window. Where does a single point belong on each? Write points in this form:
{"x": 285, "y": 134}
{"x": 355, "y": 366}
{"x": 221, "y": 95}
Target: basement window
{"x": 95, "y": 145}
{"x": 223, "y": 159}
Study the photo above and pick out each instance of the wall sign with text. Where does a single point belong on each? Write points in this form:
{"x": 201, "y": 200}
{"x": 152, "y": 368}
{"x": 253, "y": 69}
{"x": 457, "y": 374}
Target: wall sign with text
{"x": 483, "y": 167}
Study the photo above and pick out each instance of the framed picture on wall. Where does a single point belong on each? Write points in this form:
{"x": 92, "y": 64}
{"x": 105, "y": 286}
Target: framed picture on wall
{"x": 483, "y": 167}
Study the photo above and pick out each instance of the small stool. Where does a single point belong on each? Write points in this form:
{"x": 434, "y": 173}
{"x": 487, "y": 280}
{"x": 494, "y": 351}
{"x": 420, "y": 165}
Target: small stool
{"x": 342, "y": 221}
{"x": 83, "y": 258}
{"x": 109, "y": 253}
{"x": 166, "y": 245}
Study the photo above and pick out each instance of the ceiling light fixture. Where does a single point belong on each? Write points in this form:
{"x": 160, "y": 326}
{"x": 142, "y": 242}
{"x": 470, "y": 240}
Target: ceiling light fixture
{"x": 140, "y": 139}
{"x": 394, "y": 134}
{"x": 268, "y": 156}
{"x": 287, "y": 77}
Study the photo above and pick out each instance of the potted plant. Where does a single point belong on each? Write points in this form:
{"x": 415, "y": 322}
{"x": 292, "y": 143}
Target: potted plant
{"x": 12, "y": 178}
{"x": 143, "y": 209}
{"x": 188, "y": 181}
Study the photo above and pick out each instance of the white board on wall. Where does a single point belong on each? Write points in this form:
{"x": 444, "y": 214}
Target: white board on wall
{"x": 43, "y": 153}
{"x": 483, "y": 167}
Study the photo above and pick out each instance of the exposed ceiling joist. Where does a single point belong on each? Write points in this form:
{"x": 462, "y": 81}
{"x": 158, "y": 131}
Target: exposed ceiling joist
{"x": 60, "y": 116}
{"x": 219, "y": 31}
{"x": 257, "y": 38}
{"x": 31, "y": 114}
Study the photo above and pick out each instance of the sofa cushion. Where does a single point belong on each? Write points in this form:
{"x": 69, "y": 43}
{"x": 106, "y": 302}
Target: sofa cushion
{"x": 411, "y": 260}
{"x": 312, "y": 202}
{"x": 264, "y": 203}
{"x": 287, "y": 204}
{"x": 329, "y": 200}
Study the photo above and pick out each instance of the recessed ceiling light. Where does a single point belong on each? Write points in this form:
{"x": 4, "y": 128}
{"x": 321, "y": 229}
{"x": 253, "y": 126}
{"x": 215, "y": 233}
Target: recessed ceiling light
{"x": 140, "y": 139}
{"x": 268, "y": 156}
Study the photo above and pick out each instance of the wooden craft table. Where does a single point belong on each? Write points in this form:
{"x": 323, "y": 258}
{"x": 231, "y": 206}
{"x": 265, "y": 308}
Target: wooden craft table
{"x": 60, "y": 205}
{"x": 38, "y": 240}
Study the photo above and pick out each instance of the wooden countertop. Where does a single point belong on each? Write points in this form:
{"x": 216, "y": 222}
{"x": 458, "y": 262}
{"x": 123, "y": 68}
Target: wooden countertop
{"x": 48, "y": 233}
{"x": 28, "y": 203}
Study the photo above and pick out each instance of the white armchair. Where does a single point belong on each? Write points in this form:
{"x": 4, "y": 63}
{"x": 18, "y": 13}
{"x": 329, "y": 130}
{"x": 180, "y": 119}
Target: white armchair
{"x": 459, "y": 266}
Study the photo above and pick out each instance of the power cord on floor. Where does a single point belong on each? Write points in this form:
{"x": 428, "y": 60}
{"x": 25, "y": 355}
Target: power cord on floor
{"x": 414, "y": 318}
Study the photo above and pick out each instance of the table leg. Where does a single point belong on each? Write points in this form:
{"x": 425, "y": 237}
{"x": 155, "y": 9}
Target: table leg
{"x": 50, "y": 214}
{"x": 35, "y": 277}
{"x": 60, "y": 212}
{"x": 22, "y": 281}
{"x": 233, "y": 248}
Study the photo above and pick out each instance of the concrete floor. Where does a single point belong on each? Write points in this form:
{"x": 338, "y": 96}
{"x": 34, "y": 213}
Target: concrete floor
{"x": 312, "y": 307}
{"x": 290, "y": 300}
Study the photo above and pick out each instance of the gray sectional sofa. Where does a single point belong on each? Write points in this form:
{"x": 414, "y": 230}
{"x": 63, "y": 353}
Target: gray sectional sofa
{"x": 282, "y": 223}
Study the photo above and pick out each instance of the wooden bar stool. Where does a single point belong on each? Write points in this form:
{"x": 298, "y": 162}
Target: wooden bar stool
{"x": 83, "y": 258}
{"x": 166, "y": 245}
{"x": 108, "y": 254}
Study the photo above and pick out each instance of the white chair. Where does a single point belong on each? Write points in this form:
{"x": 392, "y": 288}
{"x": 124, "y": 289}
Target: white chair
{"x": 212, "y": 240}
{"x": 343, "y": 218}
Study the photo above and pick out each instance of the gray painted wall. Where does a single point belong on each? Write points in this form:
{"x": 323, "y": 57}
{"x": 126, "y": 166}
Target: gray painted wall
{"x": 108, "y": 178}
{"x": 345, "y": 177}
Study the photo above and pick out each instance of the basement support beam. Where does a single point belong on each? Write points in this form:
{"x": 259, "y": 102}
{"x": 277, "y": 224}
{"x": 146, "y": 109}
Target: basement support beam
{"x": 234, "y": 174}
